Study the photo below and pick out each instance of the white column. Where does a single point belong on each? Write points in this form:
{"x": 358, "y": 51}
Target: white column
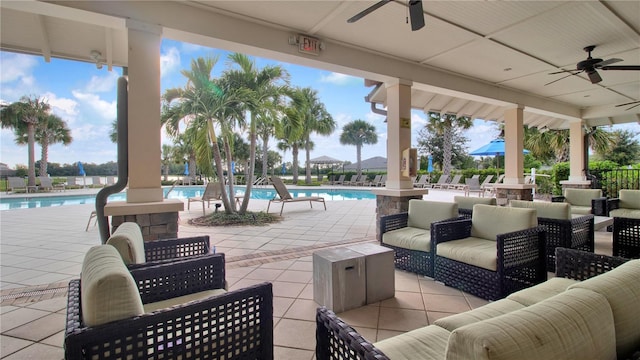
{"x": 513, "y": 140}
{"x": 398, "y": 132}
{"x": 144, "y": 112}
{"x": 576, "y": 152}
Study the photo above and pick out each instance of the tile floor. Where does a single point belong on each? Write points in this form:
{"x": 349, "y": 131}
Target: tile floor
{"x": 35, "y": 261}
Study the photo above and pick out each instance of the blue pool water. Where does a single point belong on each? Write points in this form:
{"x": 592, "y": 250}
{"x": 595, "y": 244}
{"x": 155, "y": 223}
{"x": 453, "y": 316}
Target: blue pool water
{"x": 180, "y": 193}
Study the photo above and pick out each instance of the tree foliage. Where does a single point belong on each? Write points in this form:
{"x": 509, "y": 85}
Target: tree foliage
{"x": 358, "y": 133}
{"x": 625, "y": 150}
{"x": 432, "y": 142}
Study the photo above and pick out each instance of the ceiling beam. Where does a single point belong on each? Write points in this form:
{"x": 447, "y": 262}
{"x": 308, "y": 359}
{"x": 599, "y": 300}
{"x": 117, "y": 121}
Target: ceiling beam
{"x": 109, "y": 48}
{"x": 44, "y": 38}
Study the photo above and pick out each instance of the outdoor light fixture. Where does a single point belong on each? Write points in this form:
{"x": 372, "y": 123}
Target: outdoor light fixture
{"x": 96, "y": 56}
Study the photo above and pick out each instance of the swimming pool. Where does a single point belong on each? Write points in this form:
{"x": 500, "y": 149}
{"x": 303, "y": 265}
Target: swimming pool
{"x": 180, "y": 193}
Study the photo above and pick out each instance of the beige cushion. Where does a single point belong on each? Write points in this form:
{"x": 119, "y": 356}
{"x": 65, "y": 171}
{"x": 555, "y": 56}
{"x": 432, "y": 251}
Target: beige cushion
{"x": 629, "y": 199}
{"x": 542, "y": 291}
{"x": 488, "y": 221}
{"x": 107, "y": 289}
{"x": 467, "y": 202}
{"x": 127, "y": 239}
{"x": 409, "y": 238}
{"x": 581, "y": 197}
{"x": 546, "y": 210}
{"x": 473, "y": 251}
{"x": 621, "y": 287}
{"x": 625, "y": 213}
{"x": 150, "y": 307}
{"x": 428, "y": 342}
{"x": 567, "y": 326}
{"x": 422, "y": 213}
{"x": 581, "y": 210}
{"x": 484, "y": 312}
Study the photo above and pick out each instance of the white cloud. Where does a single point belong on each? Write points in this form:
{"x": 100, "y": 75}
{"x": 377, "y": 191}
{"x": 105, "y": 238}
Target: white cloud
{"x": 191, "y": 48}
{"x": 104, "y": 109}
{"x": 337, "y": 79}
{"x": 102, "y": 83}
{"x": 169, "y": 61}
{"x": 17, "y": 67}
{"x": 63, "y": 107}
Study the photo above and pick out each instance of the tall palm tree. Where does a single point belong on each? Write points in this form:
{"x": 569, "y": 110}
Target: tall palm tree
{"x": 289, "y": 133}
{"x": 24, "y": 116}
{"x": 314, "y": 118}
{"x": 167, "y": 157}
{"x": 554, "y": 144}
{"x": 266, "y": 129}
{"x": 358, "y": 133}
{"x": 260, "y": 88}
{"x": 446, "y": 125}
{"x": 52, "y": 130}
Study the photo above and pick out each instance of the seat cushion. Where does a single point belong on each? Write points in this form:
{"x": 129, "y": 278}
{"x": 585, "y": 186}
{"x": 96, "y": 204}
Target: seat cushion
{"x": 150, "y": 307}
{"x": 467, "y": 202}
{"x": 107, "y": 289}
{"x": 127, "y": 239}
{"x": 409, "y": 238}
{"x": 484, "y": 312}
{"x": 473, "y": 251}
{"x": 581, "y": 197}
{"x": 485, "y": 224}
{"x": 629, "y": 199}
{"x": 542, "y": 291}
{"x": 567, "y": 326}
{"x": 625, "y": 213}
{"x": 581, "y": 210}
{"x": 422, "y": 212}
{"x": 621, "y": 288}
{"x": 428, "y": 342}
{"x": 545, "y": 209}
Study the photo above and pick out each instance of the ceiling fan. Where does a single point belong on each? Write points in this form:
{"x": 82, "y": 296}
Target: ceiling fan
{"x": 415, "y": 13}
{"x": 590, "y": 66}
{"x": 633, "y": 104}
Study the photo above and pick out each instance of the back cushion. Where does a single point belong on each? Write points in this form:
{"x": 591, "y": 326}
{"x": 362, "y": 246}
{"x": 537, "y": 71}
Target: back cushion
{"x": 545, "y": 209}
{"x": 107, "y": 289}
{"x": 621, "y": 287}
{"x": 581, "y": 197}
{"x": 422, "y": 213}
{"x": 568, "y": 326}
{"x": 487, "y": 221}
{"x": 127, "y": 239}
{"x": 467, "y": 202}
{"x": 629, "y": 199}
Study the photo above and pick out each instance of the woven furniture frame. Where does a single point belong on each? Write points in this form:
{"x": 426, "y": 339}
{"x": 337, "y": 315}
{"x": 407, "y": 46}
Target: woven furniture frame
{"x": 335, "y": 339}
{"x": 599, "y": 206}
{"x": 626, "y": 237}
{"x": 582, "y": 265}
{"x": 166, "y": 250}
{"x": 465, "y": 213}
{"x": 576, "y": 233}
{"x": 520, "y": 263}
{"x": 234, "y": 325}
{"x": 418, "y": 262}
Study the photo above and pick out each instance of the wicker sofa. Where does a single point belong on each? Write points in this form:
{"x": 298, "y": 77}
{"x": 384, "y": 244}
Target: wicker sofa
{"x": 563, "y": 230}
{"x": 589, "y": 311}
{"x": 625, "y": 211}
{"x": 172, "y": 310}
{"x": 409, "y": 234}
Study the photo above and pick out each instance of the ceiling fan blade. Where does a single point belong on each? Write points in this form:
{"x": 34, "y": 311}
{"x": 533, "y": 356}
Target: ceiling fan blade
{"x": 594, "y": 77}
{"x": 636, "y": 105}
{"x": 368, "y": 10}
{"x": 416, "y": 14}
{"x": 608, "y": 62}
{"x": 621, "y": 67}
{"x": 566, "y": 71}
{"x": 629, "y": 103}
{"x": 564, "y": 77}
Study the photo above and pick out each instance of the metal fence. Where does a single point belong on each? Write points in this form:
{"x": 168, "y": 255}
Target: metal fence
{"x": 612, "y": 181}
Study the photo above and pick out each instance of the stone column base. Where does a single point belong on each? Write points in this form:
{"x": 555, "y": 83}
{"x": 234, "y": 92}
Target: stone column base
{"x": 575, "y": 185}
{"x": 504, "y": 195}
{"x": 154, "y": 226}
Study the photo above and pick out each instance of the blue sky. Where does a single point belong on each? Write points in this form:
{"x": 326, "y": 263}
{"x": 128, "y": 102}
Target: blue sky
{"x": 85, "y": 97}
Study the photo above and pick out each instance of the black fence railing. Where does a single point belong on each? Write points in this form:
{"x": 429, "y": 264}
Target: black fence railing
{"x": 612, "y": 181}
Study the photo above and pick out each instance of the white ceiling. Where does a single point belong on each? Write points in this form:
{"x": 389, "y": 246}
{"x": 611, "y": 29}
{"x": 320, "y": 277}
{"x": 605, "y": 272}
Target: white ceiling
{"x": 472, "y": 58}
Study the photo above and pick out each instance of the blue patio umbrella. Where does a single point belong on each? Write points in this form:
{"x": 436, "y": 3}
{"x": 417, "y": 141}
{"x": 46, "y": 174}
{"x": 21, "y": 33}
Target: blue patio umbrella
{"x": 81, "y": 169}
{"x": 233, "y": 167}
{"x": 284, "y": 168}
{"x": 430, "y": 164}
{"x": 186, "y": 168}
{"x": 493, "y": 148}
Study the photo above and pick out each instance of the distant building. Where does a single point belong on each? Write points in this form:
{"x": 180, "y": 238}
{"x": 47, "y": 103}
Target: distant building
{"x": 376, "y": 163}
{"x": 5, "y": 171}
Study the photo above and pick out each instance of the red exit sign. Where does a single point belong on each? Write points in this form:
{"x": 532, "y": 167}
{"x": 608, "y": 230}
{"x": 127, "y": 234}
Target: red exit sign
{"x": 308, "y": 45}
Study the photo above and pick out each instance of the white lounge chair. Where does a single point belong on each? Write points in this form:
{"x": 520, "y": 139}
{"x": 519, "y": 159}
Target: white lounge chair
{"x": 46, "y": 183}
{"x": 285, "y": 197}
{"x": 15, "y": 183}
{"x": 211, "y": 193}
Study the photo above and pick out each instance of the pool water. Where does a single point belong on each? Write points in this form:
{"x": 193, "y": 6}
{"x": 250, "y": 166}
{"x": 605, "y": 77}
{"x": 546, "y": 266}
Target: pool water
{"x": 182, "y": 193}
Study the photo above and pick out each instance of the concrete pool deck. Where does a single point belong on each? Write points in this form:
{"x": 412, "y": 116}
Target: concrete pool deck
{"x": 41, "y": 249}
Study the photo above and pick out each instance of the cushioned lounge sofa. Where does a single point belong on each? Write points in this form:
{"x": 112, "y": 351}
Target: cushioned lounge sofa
{"x": 626, "y": 223}
{"x": 589, "y": 311}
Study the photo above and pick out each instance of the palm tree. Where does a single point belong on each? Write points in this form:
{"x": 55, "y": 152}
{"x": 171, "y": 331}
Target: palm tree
{"x": 314, "y": 118}
{"x": 554, "y": 144}
{"x": 261, "y": 87}
{"x": 24, "y": 116}
{"x": 266, "y": 129}
{"x": 446, "y": 125}
{"x": 289, "y": 132}
{"x": 167, "y": 156}
{"x": 358, "y": 133}
{"x": 52, "y": 130}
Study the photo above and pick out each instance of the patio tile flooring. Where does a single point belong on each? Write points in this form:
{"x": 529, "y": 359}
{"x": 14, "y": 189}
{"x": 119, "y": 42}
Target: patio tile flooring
{"x": 41, "y": 249}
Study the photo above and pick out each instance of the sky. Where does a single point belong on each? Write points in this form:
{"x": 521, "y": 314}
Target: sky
{"x": 85, "y": 97}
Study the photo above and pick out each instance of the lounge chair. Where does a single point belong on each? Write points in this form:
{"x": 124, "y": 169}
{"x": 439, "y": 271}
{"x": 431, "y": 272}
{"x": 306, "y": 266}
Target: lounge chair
{"x": 340, "y": 181}
{"x": 211, "y": 192}
{"x": 285, "y": 197}
{"x": 491, "y": 186}
{"x": 97, "y": 180}
{"x": 47, "y": 184}
{"x": 187, "y": 180}
{"x": 442, "y": 180}
{"x": 422, "y": 182}
{"x": 472, "y": 185}
{"x": 383, "y": 181}
{"x": 486, "y": 181}
{"x": 375, "y": 181}
{"x": 16, "y": 183}
{"x": 353, "y": 181}
{"x": 454, "y": 183}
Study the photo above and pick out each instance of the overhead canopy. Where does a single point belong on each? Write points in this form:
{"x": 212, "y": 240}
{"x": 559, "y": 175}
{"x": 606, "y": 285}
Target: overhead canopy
{"x": 326, "y": 160}
{"x": 495, "y": 147}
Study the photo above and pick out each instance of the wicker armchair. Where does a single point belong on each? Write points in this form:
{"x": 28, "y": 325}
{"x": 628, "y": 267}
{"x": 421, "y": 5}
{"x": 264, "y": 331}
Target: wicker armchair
{"x": 562, "y": 230}
{"x": 584, "y": 201}
{"x": 409, "y": 234}
{"x": 498, "y": 251}
{"x": 170, "y": 315}
{"x": 465, "y": 204}
{"x": 625, "y": 211}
